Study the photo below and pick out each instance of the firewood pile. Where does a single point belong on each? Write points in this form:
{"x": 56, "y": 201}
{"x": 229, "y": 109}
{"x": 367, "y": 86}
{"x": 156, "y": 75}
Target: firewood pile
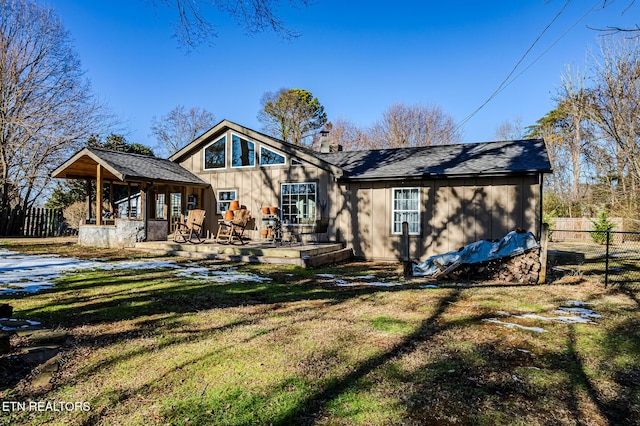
{"x": 523, "y": 268}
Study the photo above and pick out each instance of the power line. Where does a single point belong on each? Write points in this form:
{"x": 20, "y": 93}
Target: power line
{"x": 506, "y": 81}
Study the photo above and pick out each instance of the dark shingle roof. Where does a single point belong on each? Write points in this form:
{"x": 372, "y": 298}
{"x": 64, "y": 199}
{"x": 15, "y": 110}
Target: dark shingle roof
{"x": 470, "y": 159}
{"x": 142, "y": 167}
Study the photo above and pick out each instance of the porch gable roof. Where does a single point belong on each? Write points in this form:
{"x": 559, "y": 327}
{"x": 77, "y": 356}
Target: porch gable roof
{"x": 125, "y": 167}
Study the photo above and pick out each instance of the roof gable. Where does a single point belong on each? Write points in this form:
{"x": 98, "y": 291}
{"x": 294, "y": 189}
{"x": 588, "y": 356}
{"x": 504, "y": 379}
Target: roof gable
{"x": 222, "y": 127}
{"x": 125, "y": 167}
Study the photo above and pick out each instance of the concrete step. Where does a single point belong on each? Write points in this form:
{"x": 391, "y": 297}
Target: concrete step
{"x": 309, "y": 255}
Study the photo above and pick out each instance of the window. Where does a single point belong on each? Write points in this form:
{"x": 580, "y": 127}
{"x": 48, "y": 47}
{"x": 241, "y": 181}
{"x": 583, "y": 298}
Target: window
{"x": 295, "y": 162}
{"x": 406, "y": 208}
{"x": 243, "y": 152}
{"x": 160, "y": 201}
{"x": 214, "y": 154}
{"x": 224, "y": 199}
{"x": 298, "y": 203}
{"x": 269, "y": 158}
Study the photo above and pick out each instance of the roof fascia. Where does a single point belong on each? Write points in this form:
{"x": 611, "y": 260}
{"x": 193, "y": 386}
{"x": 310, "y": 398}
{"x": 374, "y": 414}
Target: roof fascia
{"x": 440, "y": 176}
{"x": 94, "y": 157}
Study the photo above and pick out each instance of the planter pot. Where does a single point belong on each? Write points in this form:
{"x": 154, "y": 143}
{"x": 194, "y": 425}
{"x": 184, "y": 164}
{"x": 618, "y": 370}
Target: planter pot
{"x": 228, "y": 215}
{"x": 234, "y": 205}
{"x": 264, "y": 233}
{"x": 273, "y": 210}
{"x": 265, "y": 210}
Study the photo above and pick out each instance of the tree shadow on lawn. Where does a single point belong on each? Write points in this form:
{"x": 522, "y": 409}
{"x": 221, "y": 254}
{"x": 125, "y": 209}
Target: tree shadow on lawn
{"x": 166, "y": 305}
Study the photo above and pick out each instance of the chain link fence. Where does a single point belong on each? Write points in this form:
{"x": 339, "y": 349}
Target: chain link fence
{"x": 608, "y": 257}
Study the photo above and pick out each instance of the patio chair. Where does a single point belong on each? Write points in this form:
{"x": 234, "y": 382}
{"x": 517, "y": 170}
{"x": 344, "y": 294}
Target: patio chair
{"x": 190, "y": 230}
{"x": 231, "y": 230}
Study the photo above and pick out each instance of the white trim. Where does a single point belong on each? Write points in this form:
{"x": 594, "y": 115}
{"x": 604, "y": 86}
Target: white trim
{"x": 315, "y": 203}
{"x": 235, "y": 197}
{"x": 231, "y": 151}
{"x": 204, "y": 156}
{"x": 393, "y": 210}
{"x": 270, "y": 150}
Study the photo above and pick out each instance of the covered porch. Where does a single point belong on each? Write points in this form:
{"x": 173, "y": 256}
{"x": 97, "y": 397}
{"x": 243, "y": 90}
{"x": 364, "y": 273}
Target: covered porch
{"x": 142, "y": 197}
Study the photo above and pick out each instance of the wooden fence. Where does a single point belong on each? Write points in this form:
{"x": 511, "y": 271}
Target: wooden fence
{"x": 34, "y": 222}
{"x": 573, "y": 229}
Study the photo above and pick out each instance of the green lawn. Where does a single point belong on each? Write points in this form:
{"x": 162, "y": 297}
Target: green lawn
{"x": 150, "y": 347}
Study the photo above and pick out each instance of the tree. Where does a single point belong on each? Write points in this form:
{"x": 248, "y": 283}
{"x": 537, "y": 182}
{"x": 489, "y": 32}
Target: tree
{"x": 47, "y": 109}
{"x": 510, "y": 130}
{"x": 603, "y": 224}
{"x": 405, "y": 126}
{"x": 616, "y": 114}
{"x": 346, "y": 134}
{"x": 116, "y": 142}
{"x": 179, "y": 127}
{"x": 633, "y": 31}
{"x": 194, "y": 26}
{"x": 292, "y": 115}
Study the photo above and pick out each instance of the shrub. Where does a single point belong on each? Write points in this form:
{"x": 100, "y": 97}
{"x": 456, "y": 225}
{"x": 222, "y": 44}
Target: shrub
{"x": 76, "y": 213}
{"x": 602, "y": 223}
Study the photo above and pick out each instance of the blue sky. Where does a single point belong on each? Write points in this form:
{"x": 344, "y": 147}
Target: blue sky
{"x": 357, "y": 57}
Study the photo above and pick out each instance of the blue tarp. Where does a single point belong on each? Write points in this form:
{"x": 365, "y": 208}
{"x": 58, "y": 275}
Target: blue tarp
{"x": 512, "y": 244}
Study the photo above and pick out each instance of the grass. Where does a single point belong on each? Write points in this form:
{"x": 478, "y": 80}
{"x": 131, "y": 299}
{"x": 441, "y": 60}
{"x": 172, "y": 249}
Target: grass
{"x": 149, "y": 347}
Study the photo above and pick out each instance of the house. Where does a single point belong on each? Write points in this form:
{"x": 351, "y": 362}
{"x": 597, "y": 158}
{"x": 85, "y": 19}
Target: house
{"x": 449, "y": 195}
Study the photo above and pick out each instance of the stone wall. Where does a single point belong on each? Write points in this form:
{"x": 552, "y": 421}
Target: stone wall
{"x": 125, "y": 233}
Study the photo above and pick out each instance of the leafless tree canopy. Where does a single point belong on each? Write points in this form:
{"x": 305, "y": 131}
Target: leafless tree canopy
{"x": 633, "y": 31}
{"x": 404, "y": 126}
{"x": 46, "y": 105}
{"x": 510, "y": 130}
{"x": 178, "y": 127}
{"x": 593, "y": 135}
{"x": 194, "y": 24}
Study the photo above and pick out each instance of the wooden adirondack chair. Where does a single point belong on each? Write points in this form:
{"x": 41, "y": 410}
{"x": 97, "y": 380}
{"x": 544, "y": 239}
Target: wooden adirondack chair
{"x": 233, "y": 229}
{"x": 190, "y": 230}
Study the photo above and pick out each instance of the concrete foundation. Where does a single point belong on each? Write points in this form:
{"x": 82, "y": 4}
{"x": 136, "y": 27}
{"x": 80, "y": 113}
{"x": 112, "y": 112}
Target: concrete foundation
{"x": 125, "y": 233}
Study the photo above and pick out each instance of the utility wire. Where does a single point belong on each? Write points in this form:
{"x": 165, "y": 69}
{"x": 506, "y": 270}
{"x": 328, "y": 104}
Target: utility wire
{"x": 549, "y": 48}
{"x": 504, "y": 82}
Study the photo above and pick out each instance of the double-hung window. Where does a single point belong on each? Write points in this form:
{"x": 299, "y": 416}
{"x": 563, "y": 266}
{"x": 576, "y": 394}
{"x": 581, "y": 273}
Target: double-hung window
{"x": 225, "y": 197}
{"x": 406, "y": 208}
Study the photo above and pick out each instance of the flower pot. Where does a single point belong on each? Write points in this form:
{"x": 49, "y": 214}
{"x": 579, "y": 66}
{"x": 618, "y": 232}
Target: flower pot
{"x": 273, "y": 210}
{"x": 234, "y": 205}
{"x": 228, "y": 215}
{"x": 264, "y": 233}
{"x": 265, "y": 210}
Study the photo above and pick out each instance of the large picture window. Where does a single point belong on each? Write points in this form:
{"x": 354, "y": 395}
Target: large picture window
{"x": 298, "y": 203}
{"x": 406, "y": 208}
{"x": 243, "y": 152}
{"x": 215, "y": 154}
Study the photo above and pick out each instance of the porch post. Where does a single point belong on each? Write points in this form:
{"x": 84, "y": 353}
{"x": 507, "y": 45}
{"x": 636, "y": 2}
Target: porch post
{"x": 128, "y": 200}
{"x": 99, "y": 184}
{"x": 143, "y": 207}
{"x": 88, "y": 200}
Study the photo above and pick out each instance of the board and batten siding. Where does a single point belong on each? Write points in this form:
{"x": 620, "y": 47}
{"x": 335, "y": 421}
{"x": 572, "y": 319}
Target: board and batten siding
{"x": 454, "y": 213}
{"x": 258, "y": 186}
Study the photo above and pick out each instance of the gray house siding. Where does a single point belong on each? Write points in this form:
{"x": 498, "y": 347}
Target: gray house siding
{"x": 453, "y": 213}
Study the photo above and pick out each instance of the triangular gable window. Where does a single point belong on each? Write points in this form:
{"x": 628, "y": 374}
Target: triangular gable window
{"x": 270, "y": 158}
{"x": 215, "y": 154}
